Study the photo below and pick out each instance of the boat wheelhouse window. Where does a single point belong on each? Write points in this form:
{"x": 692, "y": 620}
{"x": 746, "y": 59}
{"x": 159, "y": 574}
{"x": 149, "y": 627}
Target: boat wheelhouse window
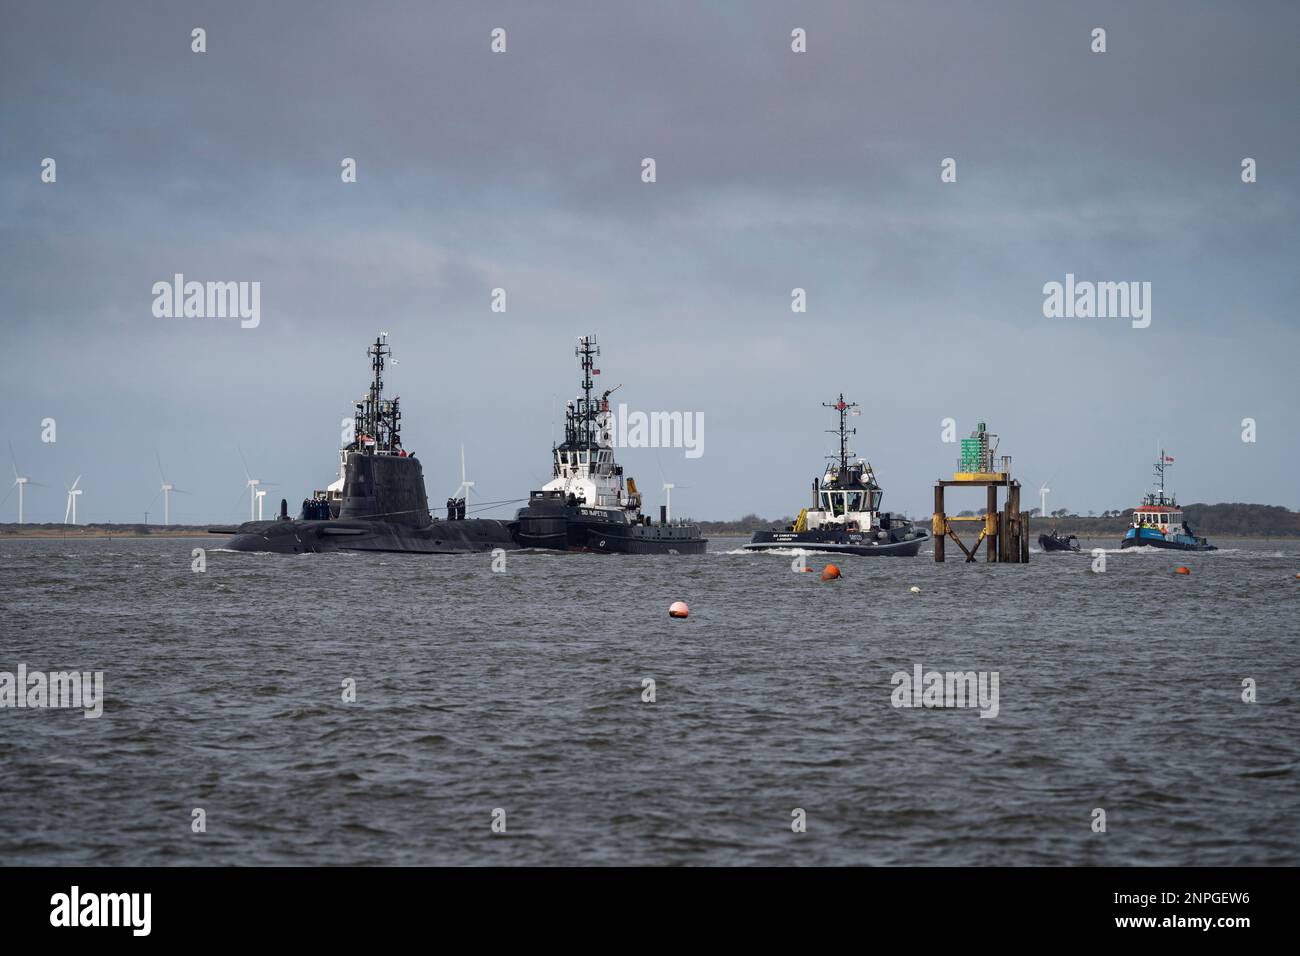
{"x": 875, "y": 500}
{"x": 855, "y": 501}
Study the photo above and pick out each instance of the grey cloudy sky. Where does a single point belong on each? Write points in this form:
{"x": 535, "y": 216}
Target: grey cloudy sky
{"x": 775, "y": 170}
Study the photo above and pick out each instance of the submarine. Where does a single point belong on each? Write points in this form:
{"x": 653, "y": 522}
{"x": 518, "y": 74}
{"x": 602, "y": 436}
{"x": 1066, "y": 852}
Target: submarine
{"x": 380, "y": 504}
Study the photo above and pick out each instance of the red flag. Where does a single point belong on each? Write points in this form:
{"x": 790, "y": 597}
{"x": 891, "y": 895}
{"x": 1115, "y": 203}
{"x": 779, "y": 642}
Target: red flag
{"x": 1167, "y": 458}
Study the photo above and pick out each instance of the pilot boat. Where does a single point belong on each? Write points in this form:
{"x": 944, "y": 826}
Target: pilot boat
{"x": 845, "y": 517}
{"x": 1158, "y": 522}
{"x": 587, "y": 505}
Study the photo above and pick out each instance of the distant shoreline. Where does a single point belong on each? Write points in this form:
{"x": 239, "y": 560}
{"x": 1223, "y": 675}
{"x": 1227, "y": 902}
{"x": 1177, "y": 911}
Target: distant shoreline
{"x": 1086, "y": 536}
{"x": 1224, "y": 520}
{"x": 103, "y": 531}
{"x": 83, "y": 532}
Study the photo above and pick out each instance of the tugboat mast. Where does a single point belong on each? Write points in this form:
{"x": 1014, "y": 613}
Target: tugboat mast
{"x": 844, "y": 432}
{"x": 1161, "y": 464}
{"x": 582, "y": 426}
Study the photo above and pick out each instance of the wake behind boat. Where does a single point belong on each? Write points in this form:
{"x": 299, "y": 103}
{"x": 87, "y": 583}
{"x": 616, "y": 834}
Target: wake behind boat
{"x": 845, "y": 517}
{"x": 586, "y": 506}
{"x": 380, "y": 503}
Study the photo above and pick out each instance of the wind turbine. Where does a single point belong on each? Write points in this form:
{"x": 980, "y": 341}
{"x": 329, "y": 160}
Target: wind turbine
{"x": 668, "y": 487}
{"x": 166, "y": 491}
{"x": 73, "y": 492}
{"x": 20, "y": 481}
{"x": 465, "y": 485}
{"x": 1042, "y": 508}
{"x": 252, "y": 487}
{"x": 260, "y": 496}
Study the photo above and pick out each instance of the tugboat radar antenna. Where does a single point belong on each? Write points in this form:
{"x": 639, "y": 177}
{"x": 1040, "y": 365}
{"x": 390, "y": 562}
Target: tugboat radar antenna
{"x": 844, "y": 408}
{"x": 587, "y": 350}
{"x": 1161, "y": 464}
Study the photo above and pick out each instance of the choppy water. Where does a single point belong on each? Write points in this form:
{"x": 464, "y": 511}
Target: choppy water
{"x": 522, "y": 691}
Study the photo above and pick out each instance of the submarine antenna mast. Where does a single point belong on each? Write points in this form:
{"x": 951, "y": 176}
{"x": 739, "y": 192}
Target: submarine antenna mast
{"x": 377, "y": 420}
{"x": 844, "y": 432}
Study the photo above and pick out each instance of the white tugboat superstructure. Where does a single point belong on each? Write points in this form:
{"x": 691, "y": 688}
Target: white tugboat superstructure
{"x": 588, "y": 505}
{"x": 845, "y": 516}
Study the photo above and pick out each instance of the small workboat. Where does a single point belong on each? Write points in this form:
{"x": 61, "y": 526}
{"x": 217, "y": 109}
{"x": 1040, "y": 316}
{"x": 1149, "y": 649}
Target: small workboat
{"x": 1056, "y": 542}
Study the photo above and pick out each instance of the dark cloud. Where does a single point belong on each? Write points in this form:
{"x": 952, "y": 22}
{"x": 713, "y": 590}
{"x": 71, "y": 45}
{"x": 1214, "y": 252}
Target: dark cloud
{"x": 775, "y": 170}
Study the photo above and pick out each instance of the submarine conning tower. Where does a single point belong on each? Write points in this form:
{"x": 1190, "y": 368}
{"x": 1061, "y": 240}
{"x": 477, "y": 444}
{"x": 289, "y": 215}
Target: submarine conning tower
{"x": 381, "y": 481}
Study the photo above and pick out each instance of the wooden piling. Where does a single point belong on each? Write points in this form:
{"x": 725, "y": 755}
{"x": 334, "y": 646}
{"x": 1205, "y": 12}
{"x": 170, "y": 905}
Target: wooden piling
{"x": 938, "y": 525}
{"x": 1005, "y": 530}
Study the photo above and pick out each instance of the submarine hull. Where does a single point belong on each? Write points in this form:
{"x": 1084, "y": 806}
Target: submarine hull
{"x": 297, "y": 536}
{"x": 384, "y": 509}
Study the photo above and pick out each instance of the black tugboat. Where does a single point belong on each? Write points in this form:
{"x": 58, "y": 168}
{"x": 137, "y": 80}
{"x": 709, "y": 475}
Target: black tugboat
{"x": 380, "y": 503}
{"x": 586, "y": 506}
{"x": 845, "y": 517}
{"x": 1056, "y": 542}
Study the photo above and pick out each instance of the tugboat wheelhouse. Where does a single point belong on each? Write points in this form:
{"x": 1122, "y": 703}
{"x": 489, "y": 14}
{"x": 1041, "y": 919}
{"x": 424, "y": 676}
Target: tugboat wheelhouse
{"x": 845, "y": 516}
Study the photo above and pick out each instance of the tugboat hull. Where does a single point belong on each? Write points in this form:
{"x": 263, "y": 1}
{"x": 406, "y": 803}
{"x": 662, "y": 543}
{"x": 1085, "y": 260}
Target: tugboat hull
{"x": 554, "y": 525}
{"x": 1157, "y": 540}
{"x": 551, "y": 525}
{"x": 864, "y": 545}
{"x": 646, "y": 539}
{"x": 548, "y": 533}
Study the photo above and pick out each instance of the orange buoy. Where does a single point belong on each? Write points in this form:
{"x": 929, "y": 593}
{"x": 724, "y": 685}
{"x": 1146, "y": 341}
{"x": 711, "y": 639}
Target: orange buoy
{"x": 830, "y": 572}
{"x": 1182, "y": 570}
{"x": 678, "y": 609}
